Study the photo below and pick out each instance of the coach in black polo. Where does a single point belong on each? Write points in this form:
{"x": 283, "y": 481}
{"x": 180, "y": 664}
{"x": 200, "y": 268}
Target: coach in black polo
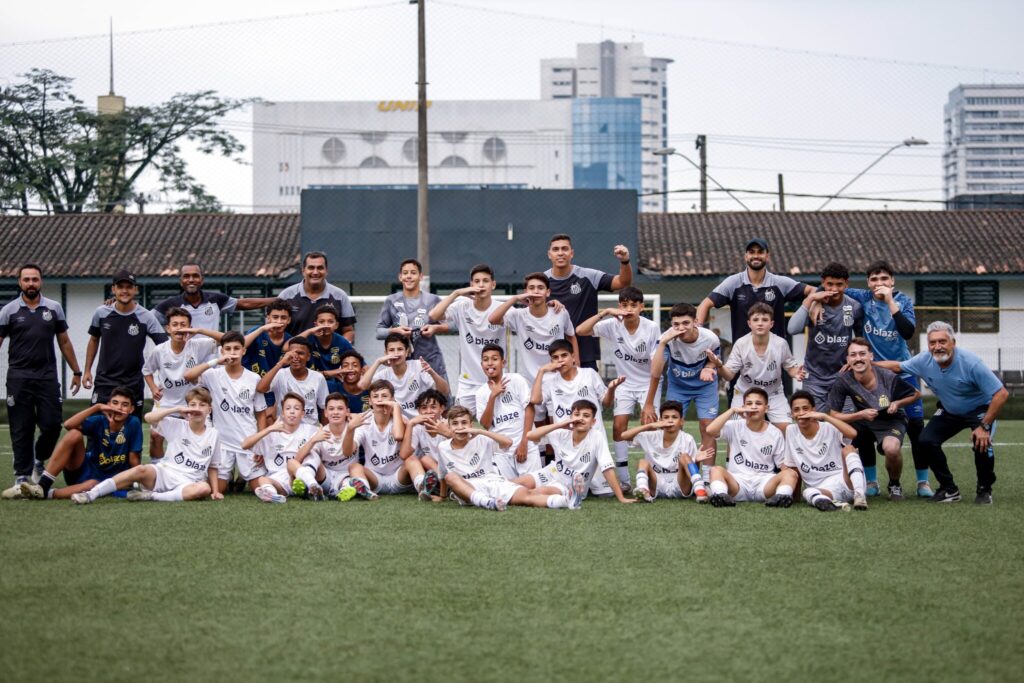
{"x": 314, "y": 291}
{"x": 119, "y": 331}
{"x": 32, "y": 322}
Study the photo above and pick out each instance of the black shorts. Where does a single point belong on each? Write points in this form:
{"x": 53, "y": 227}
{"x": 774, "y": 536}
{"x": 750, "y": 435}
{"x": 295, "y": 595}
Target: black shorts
{"x": 881, "y": 428}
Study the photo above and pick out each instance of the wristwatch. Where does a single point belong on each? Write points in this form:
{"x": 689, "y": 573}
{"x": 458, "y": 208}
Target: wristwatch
{"x": 986, "y": 426}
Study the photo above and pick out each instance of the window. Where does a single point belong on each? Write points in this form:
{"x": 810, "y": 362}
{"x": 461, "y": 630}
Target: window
{"x": 333, "y": 151}
{"x": 454, "y": 162}
{"x": 410, "y": 150}
{"x": 373, "y": 137}
{"x": 958, "y": 302}
{"x": 494, "y": 149}
{"x": 454, "y": 136}
{"x": 373, "y": 162}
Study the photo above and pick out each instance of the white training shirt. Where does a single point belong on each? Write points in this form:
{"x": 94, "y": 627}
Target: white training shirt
{"x": 425, "y": 444}
{"x": 632, "y": 352}
{"x": 474, "y": 333}
{"x": 509, "y": 408}
{"x": 559, "y": 394}
{"x": 475, "y": 459}
{"x": 189, "y": 453}
{"x": 168, "y": 368}
{"x": 764, "y": 372}
{"x": 664, "y": 460}
{"x": 534, "y": 336}
{"x": 414, "y": 382}
{"x": 277, "y": 448}
{"x": 235, "y": 404}
{"x": 753, "y": 452}
{"x": 313, "y": 391}
{"x": 589, "y": 456}
{"x": 817, "y": 459}
{"x": 379, "y": 447}
{"x": 331, "y": 455}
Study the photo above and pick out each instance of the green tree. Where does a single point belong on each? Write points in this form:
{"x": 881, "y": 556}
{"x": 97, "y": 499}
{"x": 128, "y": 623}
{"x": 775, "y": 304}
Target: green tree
{"x": 59, "y": 154}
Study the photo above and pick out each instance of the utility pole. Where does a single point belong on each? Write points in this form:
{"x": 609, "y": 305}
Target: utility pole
{"x": 702, "y": 146}
{"x": 782, "y": 195}
{"x": 422, "y": 224}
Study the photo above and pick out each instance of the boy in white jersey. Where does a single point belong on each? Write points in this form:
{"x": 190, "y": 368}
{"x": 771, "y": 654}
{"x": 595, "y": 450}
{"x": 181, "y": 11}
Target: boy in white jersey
{"x": 758, "y": 359}
{"x": 832, "y": 473}
{"x": 581, "y": 454}
{"x": 297, "y": 379}
{"x": 755, "y": 470}
{"x": 669, "y": 466}
{"x": 408, "y": 380}
{"x": 320, "y": 468}
{"x": 635, "y": 339}
{"x": 379, "y": 432}
{"x": 467, "y": 462}
{"x": 468, "y": 310}
{"x": 535, "y": 327}
{"x": 169, "y": 361}
{"x": 278, "y": 443}
{"x": 239, "y": 410}
{"x": 420, "y": 445}
{"x": 503, "y": 405}
{"x": 188, "y": 473}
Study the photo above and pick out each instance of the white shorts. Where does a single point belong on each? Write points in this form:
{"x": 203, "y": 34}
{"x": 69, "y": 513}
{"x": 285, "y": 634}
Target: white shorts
{"x": 231, "y": 457}
{"x": 388, "y": 484}
{"x": 778, "y": 407}
{"x": 495, "y": 487}
{"x": 465, "y": 395}
{"x": 751, "y": 487}
{"x": 334, "y": 481}
{"x": 168, "y": 478}
{"x": 628, "y": 400}
{"x": 550, "y": 476}
{"x": 283, "y": 478}
{"x": 507, "y": 466}
{"x": 836, "y": 485}
{"x": 668, "y": 486}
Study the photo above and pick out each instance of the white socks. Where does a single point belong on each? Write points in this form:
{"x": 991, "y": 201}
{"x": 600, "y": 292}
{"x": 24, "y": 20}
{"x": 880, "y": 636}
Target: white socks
{"x": 307, "y": 476}
{"x": 622, "y": 460}
{"x": 417, "y": 483}
{"x": 856, "y": 471}
{"x": 811, "y": 495}
{"x": 173, "y": 496}
{"x": 719, "y": 488}
{"x": 642, "y": 480}
{"x": 104, "y": 488}
{"x": 557, "y": 501}
{"x": 784, "y": 490}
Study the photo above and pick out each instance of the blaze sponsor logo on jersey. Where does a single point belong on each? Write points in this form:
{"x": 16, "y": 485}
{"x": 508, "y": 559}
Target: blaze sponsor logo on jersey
{"x": 822, "y": 338}
{"x": 827, "y": 467}
{"x": 228, "y": 408}
{"x": 170, "y": 384}
{"x": 759, "y": 466}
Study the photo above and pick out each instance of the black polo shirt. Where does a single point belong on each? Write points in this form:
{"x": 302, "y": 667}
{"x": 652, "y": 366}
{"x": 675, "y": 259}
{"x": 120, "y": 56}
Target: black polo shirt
{"x": 122, "y": 342}
{"x": 31, "y": 332}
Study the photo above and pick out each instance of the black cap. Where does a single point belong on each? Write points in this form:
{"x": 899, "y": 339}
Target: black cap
{"x": 758, "y": 241}
{"x": 124, "y": 276}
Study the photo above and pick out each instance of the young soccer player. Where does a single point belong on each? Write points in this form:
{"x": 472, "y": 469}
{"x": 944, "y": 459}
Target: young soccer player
{"x": 634, "y": 338}
{"x": 424, "y": 433}
{"x": 189, "y": 472}
{"x": 101, "y": 441}
{"x": 278, "y": 443}
{"x": 503, "y": 405}
{"x": 379, "y": 432}
{"x": 755, "y": 470}
{"x": 832, "y": 474}
{"x": 326, "y": 346}
{"x": 469, "y": 454}
{"x": 758, "y": 359}
{"x": 405, "y": 312}
{"x": 669, "y": 467}
{"x": 265, "y": 349}
{"x": 350, "y": 372}
{"x": 581, "y": 452}
{"x": 320, "y": 468}
{"x": 298, "y": 379}
{"x": 468, "y": 310}
{"x": 239, "y": 409}
{"x": 408, "y": 380}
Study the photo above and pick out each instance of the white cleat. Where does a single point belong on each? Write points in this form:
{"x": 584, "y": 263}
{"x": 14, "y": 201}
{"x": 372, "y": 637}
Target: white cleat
{"x": 136, "y": 496}
{"x": 32, "y": 490}
{"x": 80, "y": 499}
{"x": 268, "y": 494}
{"x": 13, "y": 493}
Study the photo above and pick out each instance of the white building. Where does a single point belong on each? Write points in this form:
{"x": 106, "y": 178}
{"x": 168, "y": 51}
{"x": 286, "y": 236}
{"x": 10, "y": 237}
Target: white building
{"x": 610, "y": 69}
{"x": 984, "y": 141}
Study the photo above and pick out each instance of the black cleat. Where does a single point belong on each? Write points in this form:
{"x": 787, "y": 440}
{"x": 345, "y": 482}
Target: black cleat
{"x": 983, "y": 497}
{"x": 825, "y": 504}
{"x": 779, "y": 500}
{"x": 945, "y": 495}
{"x": 722, "y": 500}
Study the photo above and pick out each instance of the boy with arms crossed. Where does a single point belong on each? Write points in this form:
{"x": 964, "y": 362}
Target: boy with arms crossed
{"x": 668, "y": 468}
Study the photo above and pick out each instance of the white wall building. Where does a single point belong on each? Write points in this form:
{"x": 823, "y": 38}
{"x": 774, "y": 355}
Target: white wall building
{"x": 984, "y": 152}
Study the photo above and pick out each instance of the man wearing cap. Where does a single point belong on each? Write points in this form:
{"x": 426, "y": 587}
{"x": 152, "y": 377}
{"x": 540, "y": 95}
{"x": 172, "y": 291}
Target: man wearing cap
{"x": 750, "y": 286}
{"x": 314, "y": 291}
{"x": 119, "y": 331}
{"x": 32, "y": 322}
{"x": 206, "y": 307}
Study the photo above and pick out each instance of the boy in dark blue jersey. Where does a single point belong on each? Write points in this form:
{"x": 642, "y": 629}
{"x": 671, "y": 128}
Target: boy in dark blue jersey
{"x": 326, "y": 346}
{"x": 263, "y": 352}
{"x": 350, "y": 370}
{"x": 112, "y": 443}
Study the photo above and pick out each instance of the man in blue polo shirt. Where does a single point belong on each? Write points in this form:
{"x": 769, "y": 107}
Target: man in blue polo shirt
{"x": 970, "y": 397}
{"x": 32, "y": 322}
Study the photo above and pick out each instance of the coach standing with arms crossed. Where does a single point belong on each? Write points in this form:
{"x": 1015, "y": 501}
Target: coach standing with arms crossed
{"x": 33, "y": 391}
{"x": 970, "y": 397}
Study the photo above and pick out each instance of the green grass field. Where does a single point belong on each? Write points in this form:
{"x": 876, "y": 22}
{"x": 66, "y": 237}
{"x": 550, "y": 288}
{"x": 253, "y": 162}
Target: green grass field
{"x": 402, "y": 590}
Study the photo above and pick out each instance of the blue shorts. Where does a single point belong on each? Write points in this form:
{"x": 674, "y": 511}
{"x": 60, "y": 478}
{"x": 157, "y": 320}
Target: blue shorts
{"x": 915, "y": 411}
{"x": 706, "y": 400}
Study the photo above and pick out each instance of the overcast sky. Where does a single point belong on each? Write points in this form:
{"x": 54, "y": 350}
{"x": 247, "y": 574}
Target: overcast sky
{"x": 813, "y": 89}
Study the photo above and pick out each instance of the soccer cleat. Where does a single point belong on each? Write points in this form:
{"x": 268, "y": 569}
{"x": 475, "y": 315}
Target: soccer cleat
{"x": 983, "y": 497}
{"x": 722, "y": 500}
{"x": 362, "y": 490}
{"x": 31, "y": 489}
{"x": 643, "y": 494}
{"x": 924, "y": 490}
{"x": 702, "y": 497}
{"x": 872, "y": 489}
{"x": 576, "y": 491}
{"x": 37, "y": 471}
{"x": 824, "y": 504}
{"x": 945, "y": 495}
{"x": 455, "y": 499}
{"x": 13, "y": 493}
{"x": 139, "y": 496}
{"x": 895, "y": 492}
{"x": 316, "y": 492}
{"x": 861, "y": 502}
{"x": 299, "y": 487}
{"x": 779, "y": 500}
{"x": 268, "y": 494}
{"x": 346, "y": 493}
{"x": 494, "y": 504}
{"x": 431, "y": 484}
{"x": 626, "y": 487}
{"x": 80, "y": 498}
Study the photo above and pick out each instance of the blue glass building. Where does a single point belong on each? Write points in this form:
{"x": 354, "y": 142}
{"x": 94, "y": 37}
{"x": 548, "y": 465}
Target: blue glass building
{"x": 606, "y": 143}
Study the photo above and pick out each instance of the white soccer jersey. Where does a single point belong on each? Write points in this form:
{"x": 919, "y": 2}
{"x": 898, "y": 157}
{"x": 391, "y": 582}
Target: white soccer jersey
{"x": 475, "y": 459}
{"x": 509, "y": 408}
{"x": 414, "y": 382}
{"x": 313, "y": 391}
{"x": 559, "y": 394}
{"x": 277, "y": 448}
{"x": 425, "y": 444}
{"x": 379, "y": 447}
{"x": 817, "y": 459}
{"x": 235, "y": 404}
{"x": 189, "y": 453}
{"x": 534, "y": 336}
{"x": 632, "y": 352}
{"x": 588, "y": 457}
{"x": 754, "y": 370}
{"x": 664, "y": 459}
{"x": 168, "y": 368}
{"x": 474, "y": 333}
{"x": 331, "y": 455}
{"x": 753, "y": 452}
